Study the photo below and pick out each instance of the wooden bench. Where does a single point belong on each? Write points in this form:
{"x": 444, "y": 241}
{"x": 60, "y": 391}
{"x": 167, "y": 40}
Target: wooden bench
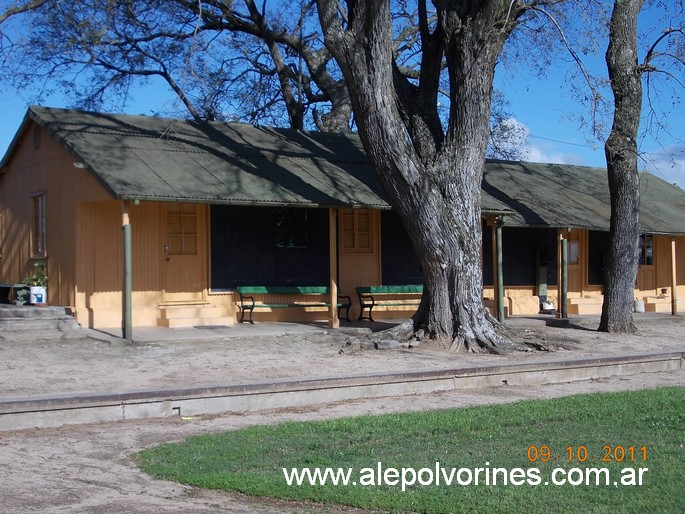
{"x": 8, "y": 292}
{"x": 248, "y": 303}
{"x": 387, "y": 296}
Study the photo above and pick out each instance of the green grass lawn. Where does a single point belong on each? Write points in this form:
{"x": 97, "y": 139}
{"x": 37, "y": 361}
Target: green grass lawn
{"x": 597, "y": 426}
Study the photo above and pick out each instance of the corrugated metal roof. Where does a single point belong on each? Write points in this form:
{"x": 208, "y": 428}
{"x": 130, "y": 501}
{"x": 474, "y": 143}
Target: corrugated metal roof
{"x": 151, "y": 158}
{"x": 550, "y": 194}
{"x": 563, "y": 195}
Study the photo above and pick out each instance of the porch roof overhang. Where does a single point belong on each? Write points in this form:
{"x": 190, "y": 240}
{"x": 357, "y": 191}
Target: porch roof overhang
{"x": 161, "y": 159}
{"x": 568, "y": 196}
{"x": 151, "y": 158}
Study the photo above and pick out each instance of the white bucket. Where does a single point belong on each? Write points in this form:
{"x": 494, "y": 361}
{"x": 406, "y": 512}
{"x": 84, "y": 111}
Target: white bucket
{"x": 37, "y": 295}
{"x": 639, "y": 306}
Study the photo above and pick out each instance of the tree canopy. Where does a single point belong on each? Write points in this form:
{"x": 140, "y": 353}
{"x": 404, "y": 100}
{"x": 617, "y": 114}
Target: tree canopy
{"x": 235, "y": 61}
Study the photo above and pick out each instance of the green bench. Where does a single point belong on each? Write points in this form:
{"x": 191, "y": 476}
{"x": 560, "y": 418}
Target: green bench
{"x": 387, "y": 296}
{"x": 248, "y": 304}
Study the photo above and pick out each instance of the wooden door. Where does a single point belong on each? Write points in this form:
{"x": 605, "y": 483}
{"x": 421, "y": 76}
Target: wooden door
{"x": 574, "y": 252}
{"x": 645, "y": 273}
{"x": 184, "y": 270}
{"x": 359, "y": 255}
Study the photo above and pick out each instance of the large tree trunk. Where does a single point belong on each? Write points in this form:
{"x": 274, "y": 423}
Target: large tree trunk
{"x": 446, "y": 233}
{"x": 621, "y": 261}
{"x": 432, "y": 176}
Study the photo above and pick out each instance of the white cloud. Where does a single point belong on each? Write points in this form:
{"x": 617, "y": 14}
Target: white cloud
{"x": 667, "y": 163}
{"x": 543, "y": 150}
{"x": 547, "y": 153}
{"x": 509, "y": 139}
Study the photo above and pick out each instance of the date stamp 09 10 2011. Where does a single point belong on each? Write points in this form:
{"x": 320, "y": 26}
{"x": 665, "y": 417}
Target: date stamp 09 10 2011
{"x": 608, "y": 453}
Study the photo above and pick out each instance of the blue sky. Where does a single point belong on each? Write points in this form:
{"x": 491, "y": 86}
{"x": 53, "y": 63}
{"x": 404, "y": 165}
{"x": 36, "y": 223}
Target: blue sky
{"x": 544, "y": 106}
{"x": 550, "y": 112}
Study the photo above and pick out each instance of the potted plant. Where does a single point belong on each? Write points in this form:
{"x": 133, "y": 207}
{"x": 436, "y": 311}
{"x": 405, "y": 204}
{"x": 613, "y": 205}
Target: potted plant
{"x": 38, "y": 284}
{"x": 21, "y": 295}
{"x": 548, "y": 305}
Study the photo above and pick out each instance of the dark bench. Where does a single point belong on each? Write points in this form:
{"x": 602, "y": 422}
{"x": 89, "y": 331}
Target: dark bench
{"x": 248, "y": 304}
{"x": 8, "y": 292}
{"x": 387, "y": 296}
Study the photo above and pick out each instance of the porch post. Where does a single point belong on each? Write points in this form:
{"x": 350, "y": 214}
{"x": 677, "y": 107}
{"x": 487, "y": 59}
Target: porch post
{"x": 674, "y": 282}
{"x": 564, "y": 277}
{"x": 500, "y": 280}
{"x": 333, "y": 321}
{"x": 126, "y": 292}
{"x": 492, "y": 223}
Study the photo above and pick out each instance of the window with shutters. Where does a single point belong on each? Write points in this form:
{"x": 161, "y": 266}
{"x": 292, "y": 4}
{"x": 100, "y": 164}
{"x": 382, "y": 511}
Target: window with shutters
{"x": 182, "y": 229}
{"x": 356, "y": 230}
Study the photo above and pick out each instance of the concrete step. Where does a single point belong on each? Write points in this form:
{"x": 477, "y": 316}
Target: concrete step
{"x": 585, "y": 310}
{"x": 30, "y": 311}
{"x": 489, "y": 304}
{"x": 585, "y": 305}
{"x": 657, "y": 303}
{"x": 195, "y": 321}
{"x": 16, "y": 318}
{"x": 586, "y": 300}
{"x": 177, "y": 316}
{"x": 41, "y": 324}
{"x": 190, "y": 311}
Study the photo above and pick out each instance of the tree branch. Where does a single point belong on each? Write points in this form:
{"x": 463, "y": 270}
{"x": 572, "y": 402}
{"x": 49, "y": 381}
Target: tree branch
{"x": 28, "y": 6}
{"x": 583, "y": 70}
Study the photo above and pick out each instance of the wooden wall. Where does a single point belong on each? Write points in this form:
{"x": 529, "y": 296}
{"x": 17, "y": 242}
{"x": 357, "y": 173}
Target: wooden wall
{"x": 359, "y": 268}
{"x": 100, "y": 262}
{"x": 43, "y": 166}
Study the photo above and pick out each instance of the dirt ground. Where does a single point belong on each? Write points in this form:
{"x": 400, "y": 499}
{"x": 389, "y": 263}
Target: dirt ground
{"x": 32, "y": 364}
{"x": 90, "y": 468}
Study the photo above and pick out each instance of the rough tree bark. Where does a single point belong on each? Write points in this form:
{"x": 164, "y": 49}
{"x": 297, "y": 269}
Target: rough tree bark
{"x": 431, "y": 174}
{"x": 621, "y": 260}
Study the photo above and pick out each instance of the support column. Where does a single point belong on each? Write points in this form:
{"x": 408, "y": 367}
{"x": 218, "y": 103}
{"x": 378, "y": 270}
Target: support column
{"x": 492, "y": 223}
{"x": 127, "y": 288}
{"x": 674, "y": 281}
{"x": 499, "y": 302}
{"x": 333, "y": 321}
{"x": 563, "y": 297}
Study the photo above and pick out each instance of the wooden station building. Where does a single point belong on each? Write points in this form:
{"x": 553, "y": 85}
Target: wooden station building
{"x": 146, "y": 221}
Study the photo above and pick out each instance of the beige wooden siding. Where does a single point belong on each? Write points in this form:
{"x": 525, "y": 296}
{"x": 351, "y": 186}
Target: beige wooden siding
{"x": 100, "y": 263}
{"x": 359, "y": 268}
{"x": 44, "y": 167}
{"x": 680, "y": 261}
{"x": 662, "y": 251}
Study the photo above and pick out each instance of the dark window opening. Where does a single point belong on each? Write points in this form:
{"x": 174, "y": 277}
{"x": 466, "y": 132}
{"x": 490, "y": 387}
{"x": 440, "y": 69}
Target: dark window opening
{"x": 399, "y": 265}
{"x": 646, "y": 250}
{"x": 522, "y": 248}
{"x": 38, "y": 223}
{"x": 291, "y": 228}
{"x": 598, "y": 246}
{"x": 268, "y": 246}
